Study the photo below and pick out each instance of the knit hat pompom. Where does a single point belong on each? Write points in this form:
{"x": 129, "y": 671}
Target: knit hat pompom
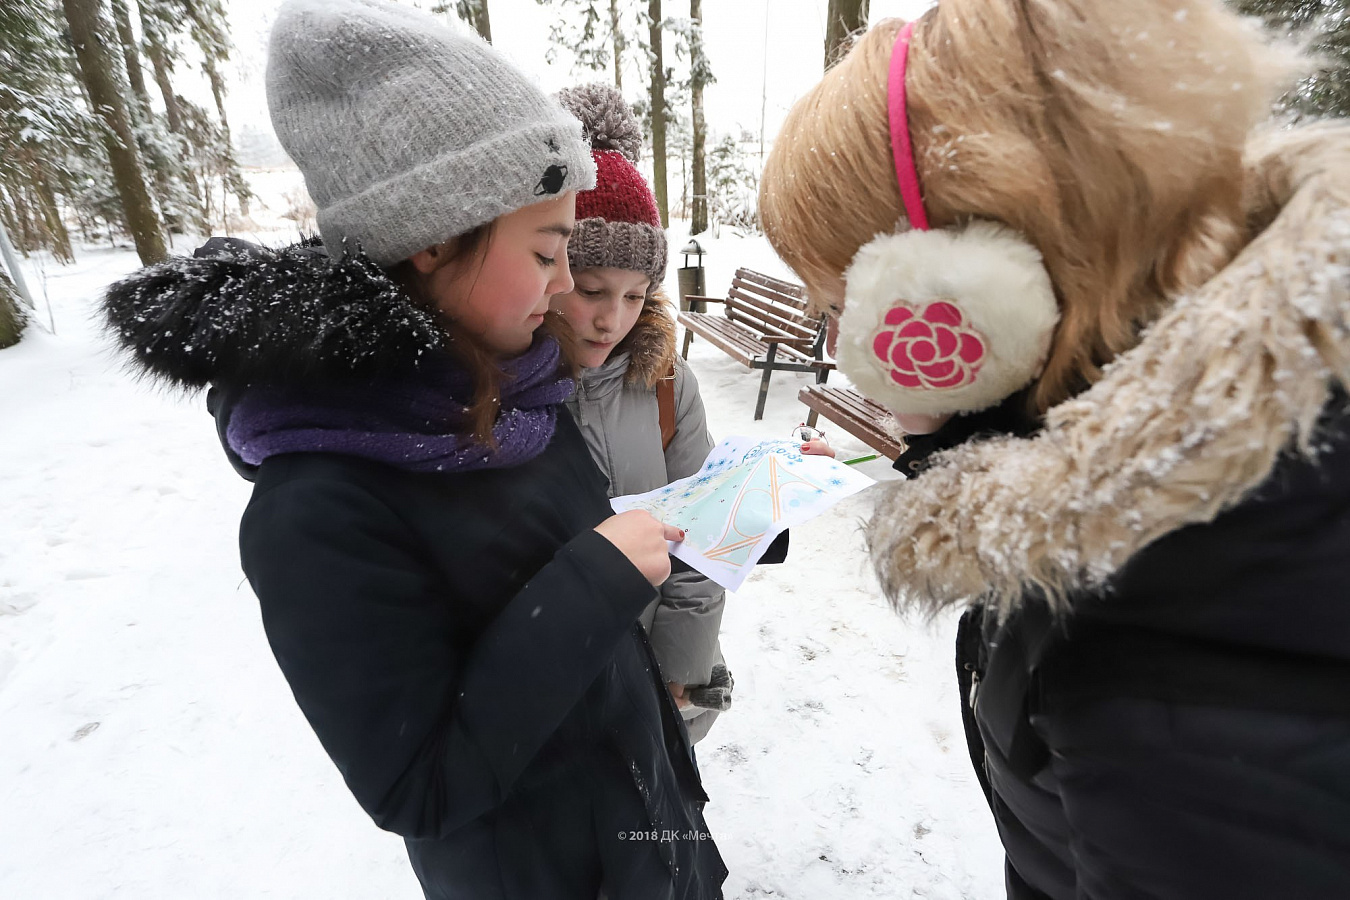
{"x": 618, "y": 226}
{"x": 606, "y": 118}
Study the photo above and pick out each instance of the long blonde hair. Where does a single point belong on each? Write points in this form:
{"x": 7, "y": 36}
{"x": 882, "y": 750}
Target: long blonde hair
{"x": 1110, "y": 133}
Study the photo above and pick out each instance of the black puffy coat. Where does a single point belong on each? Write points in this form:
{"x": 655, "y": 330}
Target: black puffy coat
{"x": 1186, "y": 734}
{"x": 465, "y": 646}
{"x": 1155, "y": 675}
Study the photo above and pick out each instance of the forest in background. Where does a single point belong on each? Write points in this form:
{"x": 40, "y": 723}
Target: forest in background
{"x": 98, "y": 141}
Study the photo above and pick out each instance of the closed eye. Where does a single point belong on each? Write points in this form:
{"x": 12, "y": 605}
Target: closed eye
{"x": 546, "y": 260}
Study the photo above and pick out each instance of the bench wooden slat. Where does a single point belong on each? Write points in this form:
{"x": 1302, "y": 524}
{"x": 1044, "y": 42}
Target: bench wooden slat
{"x": 759, "y": 311}
{"x": 764, "y": 326}
{"x": 783, "y": 306}
{"x": 777, "y": 298}
{"x": 750, "y": 342}
{"x": 732, "y": 344}
{"x": 749, "y": 347}
{"x": 868, "y": 430}
{"x": 855, "y": 414}
{"x": 767, "y": 333}
{"x": 794, "y": 292}
{"x": 858, "y": 405}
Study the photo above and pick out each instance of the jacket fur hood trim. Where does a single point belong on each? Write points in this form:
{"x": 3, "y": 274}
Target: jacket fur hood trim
{"x": 247, "y": 314}
{"x": 1179, "y": 429}
{"x": 651, "y": 342}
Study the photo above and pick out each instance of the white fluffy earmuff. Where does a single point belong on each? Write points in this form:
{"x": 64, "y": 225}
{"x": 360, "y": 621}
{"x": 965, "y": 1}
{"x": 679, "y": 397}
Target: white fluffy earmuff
{"x": 946, "y": 321}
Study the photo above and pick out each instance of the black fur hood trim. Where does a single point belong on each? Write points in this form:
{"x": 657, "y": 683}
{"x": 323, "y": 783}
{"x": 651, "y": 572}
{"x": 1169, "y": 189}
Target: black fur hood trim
{"x": 239, "y": 313}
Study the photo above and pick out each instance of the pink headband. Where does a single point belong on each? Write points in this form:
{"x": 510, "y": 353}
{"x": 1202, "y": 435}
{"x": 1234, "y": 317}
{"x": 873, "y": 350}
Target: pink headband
{"x": 905, "y": 172}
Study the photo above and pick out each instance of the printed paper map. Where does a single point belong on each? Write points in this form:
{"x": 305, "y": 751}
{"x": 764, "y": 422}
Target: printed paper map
{"x": 745, "y": 495}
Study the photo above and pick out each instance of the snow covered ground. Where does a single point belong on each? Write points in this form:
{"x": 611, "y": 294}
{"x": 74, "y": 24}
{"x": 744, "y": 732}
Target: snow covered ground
{"x": 149, "y": 747}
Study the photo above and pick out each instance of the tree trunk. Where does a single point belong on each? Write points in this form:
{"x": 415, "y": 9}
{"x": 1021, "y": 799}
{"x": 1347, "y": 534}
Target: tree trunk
{"x": 162, "y": 65}
{"x": 163, "y": 68}
{"x": 475, "y": 12}
{"x": 51, "y": 213}
{"x": 483, "y": 21}
{"x": 658, "y": 102}
{"x": 236, "y": 182}
{"x": 12, "y": 316}
{"x": 844, "y": 18}
{"x": 98, "y": 75}
{"x": 132, "y": 56}
{"x": 21, "y": 225}
{"x": 143, "y": 114}
{"x": 616, "y": 32}
{"x": 217, "y": 92}
{"x": 699, "y": 223}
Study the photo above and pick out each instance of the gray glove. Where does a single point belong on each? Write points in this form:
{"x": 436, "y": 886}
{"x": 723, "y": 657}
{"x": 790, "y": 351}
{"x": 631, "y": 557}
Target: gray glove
{"x": 716, "y": 694}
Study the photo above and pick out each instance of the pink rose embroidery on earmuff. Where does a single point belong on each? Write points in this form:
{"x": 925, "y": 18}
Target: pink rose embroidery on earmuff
{"x": 930, "y": 349}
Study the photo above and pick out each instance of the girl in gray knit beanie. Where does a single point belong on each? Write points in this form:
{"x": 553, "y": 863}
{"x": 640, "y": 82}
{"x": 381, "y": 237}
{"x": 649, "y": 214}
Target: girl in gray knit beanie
{"x": 637, "y": 402}
{"x": 443, "y": 583}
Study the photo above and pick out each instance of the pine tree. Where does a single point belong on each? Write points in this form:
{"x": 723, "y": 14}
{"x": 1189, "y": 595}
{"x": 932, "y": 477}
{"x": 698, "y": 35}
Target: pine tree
{"x": 593, "y": 31}
{"x": 203, "y": 149}
{"x": 700, "y": 75}
{"x": 596, "y": 34}
{"x": 41, "y": 127}
{"x": 657, "y": 83}
{"x": 157, "y": 24}
{"x": 1327, "y": 91}
{"x": 159, "y": 151}
{"x": 843, "y": 19}
{"x": 12, "y": 315}
{"x": 106, "y": 95}
{"x": 733, "y": 186}
{"x": 211, "y": 33}
{"x": 472, "y": 12}
{"x": 618, "y": 41}
{"x": 475, "y": 12}
{"x": 131, "y": 55}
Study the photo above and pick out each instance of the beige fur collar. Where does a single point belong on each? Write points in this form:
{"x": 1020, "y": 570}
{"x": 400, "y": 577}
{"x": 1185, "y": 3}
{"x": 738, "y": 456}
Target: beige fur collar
{"x": 1179, "y": 429}
{"x": 651, "y": 342}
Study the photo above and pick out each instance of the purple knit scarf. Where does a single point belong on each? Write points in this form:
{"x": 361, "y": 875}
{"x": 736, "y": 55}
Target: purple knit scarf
{"x": 415, "y": 423}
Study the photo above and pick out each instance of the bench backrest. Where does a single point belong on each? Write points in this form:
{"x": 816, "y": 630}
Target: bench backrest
{"x": 773, "y": 307}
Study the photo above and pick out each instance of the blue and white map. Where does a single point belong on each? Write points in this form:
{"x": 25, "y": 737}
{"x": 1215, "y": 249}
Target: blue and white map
{"x": 747, "y": 493}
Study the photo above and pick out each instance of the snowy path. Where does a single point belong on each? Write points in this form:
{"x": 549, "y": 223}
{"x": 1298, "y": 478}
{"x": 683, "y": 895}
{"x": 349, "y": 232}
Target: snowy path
{"x": 151, "y": 748}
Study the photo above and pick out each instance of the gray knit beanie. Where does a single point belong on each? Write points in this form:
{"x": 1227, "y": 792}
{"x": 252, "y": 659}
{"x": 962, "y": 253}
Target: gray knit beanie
{"x": 407, "y": 132}
{"x": 618, "y": 226}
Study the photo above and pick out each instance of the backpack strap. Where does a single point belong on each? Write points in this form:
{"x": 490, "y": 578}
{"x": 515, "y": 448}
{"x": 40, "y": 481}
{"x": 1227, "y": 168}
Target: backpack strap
{"x": 665, "y": 406}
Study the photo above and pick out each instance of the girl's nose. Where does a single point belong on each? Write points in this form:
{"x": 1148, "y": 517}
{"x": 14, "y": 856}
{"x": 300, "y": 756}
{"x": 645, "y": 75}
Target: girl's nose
{"x": 562, "y": 282}
{"x": 606, "y": 317}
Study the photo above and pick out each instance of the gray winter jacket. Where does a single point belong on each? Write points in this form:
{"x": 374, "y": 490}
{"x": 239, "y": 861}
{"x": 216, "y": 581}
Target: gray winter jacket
{"x": 615, "y": 406}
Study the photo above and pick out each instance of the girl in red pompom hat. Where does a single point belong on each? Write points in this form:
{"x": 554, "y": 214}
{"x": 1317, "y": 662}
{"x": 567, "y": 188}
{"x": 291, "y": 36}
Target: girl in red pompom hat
{"x": 637, "y": 401}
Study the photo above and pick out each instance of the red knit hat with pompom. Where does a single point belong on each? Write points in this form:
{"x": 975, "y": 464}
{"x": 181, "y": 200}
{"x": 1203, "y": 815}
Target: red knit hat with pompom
{"x": 618, "y": 226}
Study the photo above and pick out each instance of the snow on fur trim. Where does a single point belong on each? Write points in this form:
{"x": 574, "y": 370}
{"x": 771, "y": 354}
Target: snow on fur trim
{"x": 606, "y": 118}
{"x": 1187, "y": 424}
{"x": 946, "y": 321}
{"x": 241, "y": 314}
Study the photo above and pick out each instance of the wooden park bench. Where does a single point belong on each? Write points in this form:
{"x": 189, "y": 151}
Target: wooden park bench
{"x": 854, "y": 413}
{"x": 764, "y": 325}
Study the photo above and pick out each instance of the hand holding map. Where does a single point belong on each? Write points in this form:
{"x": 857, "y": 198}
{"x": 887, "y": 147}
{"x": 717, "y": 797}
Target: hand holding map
{"x": 747, "y": 493}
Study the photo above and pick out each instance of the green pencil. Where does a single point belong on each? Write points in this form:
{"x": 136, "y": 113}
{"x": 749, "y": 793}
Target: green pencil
{"x": 861, "y": 459}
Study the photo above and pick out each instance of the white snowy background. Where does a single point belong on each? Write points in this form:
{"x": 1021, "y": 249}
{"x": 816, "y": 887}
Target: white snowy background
{"x": 149, "y": 747}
